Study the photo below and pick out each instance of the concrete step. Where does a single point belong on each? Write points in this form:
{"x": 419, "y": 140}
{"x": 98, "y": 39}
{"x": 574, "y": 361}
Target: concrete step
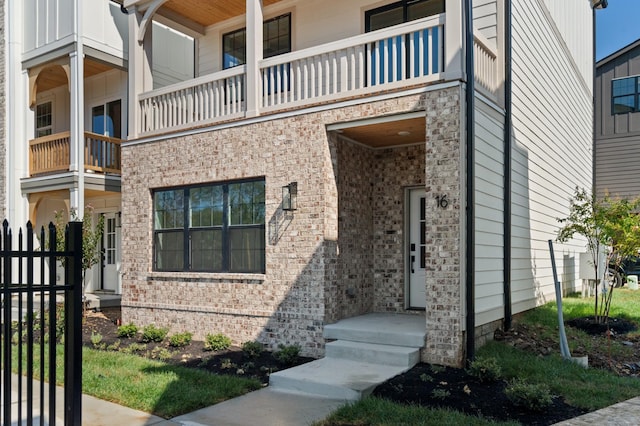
{"x": 334, "y": 378}
{"x": 389, "y": 329}
{"x": 401, "y": 356}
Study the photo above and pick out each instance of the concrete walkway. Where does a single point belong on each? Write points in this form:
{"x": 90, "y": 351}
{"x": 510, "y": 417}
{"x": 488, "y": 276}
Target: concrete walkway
{"x": 264, "y": 407}
{"x": 267, "y": 407}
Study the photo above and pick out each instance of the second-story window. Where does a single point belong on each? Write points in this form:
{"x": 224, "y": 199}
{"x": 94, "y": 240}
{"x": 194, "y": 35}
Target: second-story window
{"x": 276, "y": 41}
{"x": 625, "y": 93}
{"x": 106, "y": 119}
{"x": 44, "y": 119}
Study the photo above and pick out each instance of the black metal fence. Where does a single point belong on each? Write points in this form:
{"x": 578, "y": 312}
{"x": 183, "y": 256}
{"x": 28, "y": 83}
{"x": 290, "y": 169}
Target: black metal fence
{"x": 41, "y": 331}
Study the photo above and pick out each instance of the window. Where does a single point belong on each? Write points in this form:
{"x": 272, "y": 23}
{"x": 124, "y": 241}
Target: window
{"x": 211, "y": 228}
{"x": 396, "y": 14}
{"x": 44, "y": 119}
{"x": 107, "y": 119}
{"x": 276, "y": 36}
{"x": 625, "y": 92}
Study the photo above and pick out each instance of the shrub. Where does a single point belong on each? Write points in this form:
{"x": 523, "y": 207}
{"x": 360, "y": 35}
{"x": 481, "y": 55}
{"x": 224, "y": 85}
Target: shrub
{"x": 485, "y": 369}
{"x": 179, "y": 340}
{"x": 534, "y": 397}
{"x": 217, "y": 342}
{"x": 161, "y": 353}
{"x": 287, "y": 354}
{"x": 127, "y": 330}
{"x": 151, "y": 333}
{"x": 252, "y": 349}
{"x": 134, "y": 348}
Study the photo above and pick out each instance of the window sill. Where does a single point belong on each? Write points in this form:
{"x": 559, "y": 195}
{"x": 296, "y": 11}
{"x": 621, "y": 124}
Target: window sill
{"x": 206, "y": 276}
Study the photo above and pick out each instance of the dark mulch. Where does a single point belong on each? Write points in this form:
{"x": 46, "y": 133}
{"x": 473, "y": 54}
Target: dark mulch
{"x": 232, "y": 361}
{"x": 453, "y": 388}
{"x": 591, "y": 326}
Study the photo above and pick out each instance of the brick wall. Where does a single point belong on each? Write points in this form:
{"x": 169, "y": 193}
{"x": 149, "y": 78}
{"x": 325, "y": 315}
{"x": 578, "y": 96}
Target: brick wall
{"x": 444, "y": 166}
{"x": 319, "y": 261}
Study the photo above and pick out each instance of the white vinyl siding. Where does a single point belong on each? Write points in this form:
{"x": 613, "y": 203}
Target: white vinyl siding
{"x": 551, "y": 148}
{"x": 485, "y": 19}
{"x": 489, "y": 206}
{"x": 173, "y": 56}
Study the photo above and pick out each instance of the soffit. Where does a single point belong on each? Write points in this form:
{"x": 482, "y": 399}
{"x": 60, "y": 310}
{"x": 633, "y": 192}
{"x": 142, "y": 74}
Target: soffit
{"x": 54, "y": 76}
{"x": 209, "y": 12}
{"x": 391, "y": 133}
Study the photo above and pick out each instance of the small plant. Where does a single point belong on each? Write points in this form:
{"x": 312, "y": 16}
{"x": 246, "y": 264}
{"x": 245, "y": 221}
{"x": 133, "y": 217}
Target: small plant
{"x": 151, "y": 333}
{"x": 134, "y": 348}
{"x": 114, "y": 346}
{"x": 248, "y": 366}
{"x": 216, "y": 342}
{"x": 161, "y": 353}
{"x": 440, "y": 394}
{"x": 426, "y": 378}
{"x": 179, "y": 340}
{"x": 96, "y": 341}
{"x": 287, "y": 354}
{"x": 485, "y": 369}
{"x": 532, "y": 396}
{"x": 127, "y": 330}
{"x": 252, "y": 349}
{"x": 226, "y": 364}
{"x": 435, "y": 369}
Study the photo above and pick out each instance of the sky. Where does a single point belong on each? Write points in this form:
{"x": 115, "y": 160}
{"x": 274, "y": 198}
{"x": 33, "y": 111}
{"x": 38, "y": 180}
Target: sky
{"x": 617, "y": 26}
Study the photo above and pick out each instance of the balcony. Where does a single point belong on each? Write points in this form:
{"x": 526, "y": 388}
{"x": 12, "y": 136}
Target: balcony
{"x": 52, "y": 154}
{"x": 395, "y": 58}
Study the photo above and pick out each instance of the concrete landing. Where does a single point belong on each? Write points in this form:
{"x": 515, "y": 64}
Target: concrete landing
{"x": 99, "y": 300}
{"x": 368, "y": 350}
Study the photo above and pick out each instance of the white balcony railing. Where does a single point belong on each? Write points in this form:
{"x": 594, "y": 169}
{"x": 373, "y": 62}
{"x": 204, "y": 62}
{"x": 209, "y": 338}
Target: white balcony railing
{"x": 392, "y": 58}
{"x": 485, "y": 66}
{"x": 405, "y": 54}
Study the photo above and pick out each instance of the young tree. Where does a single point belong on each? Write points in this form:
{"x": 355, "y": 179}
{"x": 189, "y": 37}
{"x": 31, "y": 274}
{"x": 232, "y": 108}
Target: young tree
{"x": 91, "y": 238}
{"x": 611, "y": 226}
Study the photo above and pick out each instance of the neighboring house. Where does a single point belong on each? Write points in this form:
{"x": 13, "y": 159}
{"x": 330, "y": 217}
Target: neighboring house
{"x": 617, "y": 122}
{"x": 288, "y": 164}
{"x": 66, "y": 72}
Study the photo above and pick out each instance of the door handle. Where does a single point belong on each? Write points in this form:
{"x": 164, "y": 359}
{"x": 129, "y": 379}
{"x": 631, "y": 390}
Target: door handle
{"x": 413, "y": 259}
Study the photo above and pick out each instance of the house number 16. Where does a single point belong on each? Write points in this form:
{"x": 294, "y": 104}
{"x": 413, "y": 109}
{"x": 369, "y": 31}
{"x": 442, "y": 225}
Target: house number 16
{"x": 442, "y": 201}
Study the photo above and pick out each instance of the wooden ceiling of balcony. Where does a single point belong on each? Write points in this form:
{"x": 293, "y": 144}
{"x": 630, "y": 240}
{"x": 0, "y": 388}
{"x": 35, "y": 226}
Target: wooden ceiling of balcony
{"x": 391, "y": 133}
{"x": 209, "y": 12}
{"x": 54, "y": 76}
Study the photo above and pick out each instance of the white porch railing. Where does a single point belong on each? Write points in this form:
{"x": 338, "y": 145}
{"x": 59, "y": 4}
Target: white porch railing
{"x": 486, "y": 65}
{"x": 392, "y": 58}
{"x": 405, "y": 54}
{"x": 203, "y": 100}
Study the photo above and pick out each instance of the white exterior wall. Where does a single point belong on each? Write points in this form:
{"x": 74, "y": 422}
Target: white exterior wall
{"x": 489, "y": 207}
{"x": 485, "y": 18}
{"x": 573, "y": 21}
{"x": 47, "y": 23}
{"x": 105, "y": 27}
{"x": 173, "y": 56}
{"x": 552, "y": 146}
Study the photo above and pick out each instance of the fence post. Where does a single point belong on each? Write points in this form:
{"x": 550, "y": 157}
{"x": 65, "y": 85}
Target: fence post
{"x": 73, "y": 326}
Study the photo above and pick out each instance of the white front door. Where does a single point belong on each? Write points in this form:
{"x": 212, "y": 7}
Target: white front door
{"x": 417, "y": 249}
{"x": 111, "y": 253}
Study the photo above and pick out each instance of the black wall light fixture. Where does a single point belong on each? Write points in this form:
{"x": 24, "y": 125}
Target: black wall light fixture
{"x": 290, "y": 197}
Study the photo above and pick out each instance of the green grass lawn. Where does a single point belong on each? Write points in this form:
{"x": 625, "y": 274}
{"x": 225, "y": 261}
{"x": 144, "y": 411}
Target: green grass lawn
{"x": 147, "y": 385}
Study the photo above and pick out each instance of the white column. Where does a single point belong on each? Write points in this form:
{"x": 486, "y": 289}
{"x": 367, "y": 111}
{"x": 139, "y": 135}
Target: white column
{"x": 140, "y": 78}
{"x": 454, "y": 40}
{"x": 18, "y": 120}
{"x": 254, "y": 56}
{"x": 76, "y": 164}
